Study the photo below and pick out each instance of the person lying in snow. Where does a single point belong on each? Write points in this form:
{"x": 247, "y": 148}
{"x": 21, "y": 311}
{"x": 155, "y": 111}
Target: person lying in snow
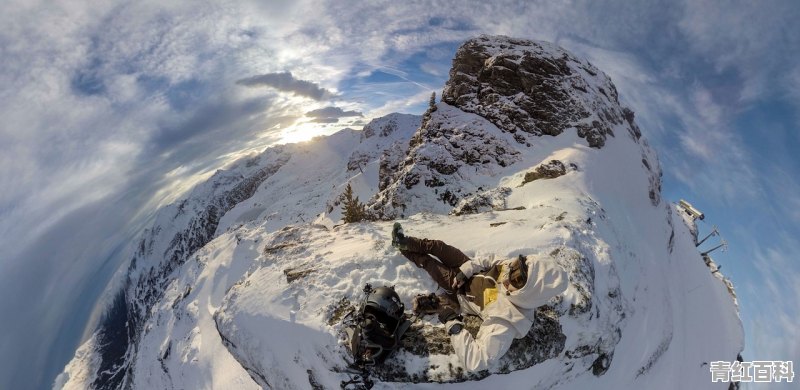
{"x": 504, "y": 293}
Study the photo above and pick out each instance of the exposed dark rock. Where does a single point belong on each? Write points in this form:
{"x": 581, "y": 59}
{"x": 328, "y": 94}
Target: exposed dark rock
{"x": 663, "y": 346}
{"x": 358, "y": 160}
{"x": 602, "y": 363}
{"x": 294, "y": 273}
{"x": 526, "y": 89}
{"x": 381, "y": 128}
{"x": 627, "y": 113}
{"x": 389, "y": 165}
{"x": 339, "y": 310}
{"x": 277, "y": 248}
{"x": 115, "y": 337}
{"x": 312, "y": 380}
{"x": 581, "y": 273}
{"x": 532, "y": 87}
{"x": 549, "y": 170}
{"x": 438, "y": 156}
{"x": 494, "y": 199}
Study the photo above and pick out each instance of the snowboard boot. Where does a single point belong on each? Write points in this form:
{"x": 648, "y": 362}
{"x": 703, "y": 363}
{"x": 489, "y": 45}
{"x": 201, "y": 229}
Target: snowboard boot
{"x": 398, "y": 238}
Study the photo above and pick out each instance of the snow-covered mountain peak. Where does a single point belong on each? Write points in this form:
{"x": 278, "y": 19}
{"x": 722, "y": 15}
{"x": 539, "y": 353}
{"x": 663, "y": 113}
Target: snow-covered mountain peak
{"x": 243, "y": 284}
{"x": 387, "y": 126}
{"x": 504, "y": 101}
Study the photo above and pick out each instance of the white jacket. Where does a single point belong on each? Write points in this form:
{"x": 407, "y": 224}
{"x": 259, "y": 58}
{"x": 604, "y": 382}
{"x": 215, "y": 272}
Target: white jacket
{"x": 511, "y": 315}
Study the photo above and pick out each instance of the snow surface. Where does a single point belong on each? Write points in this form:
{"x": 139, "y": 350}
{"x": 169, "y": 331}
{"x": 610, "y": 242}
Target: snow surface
{"x": 253, "y": 307}
{"x": 678, "y": 316}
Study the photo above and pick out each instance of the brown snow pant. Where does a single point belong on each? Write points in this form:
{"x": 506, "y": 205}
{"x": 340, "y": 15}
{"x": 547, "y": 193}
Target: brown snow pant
{"x": 443, "y": 271}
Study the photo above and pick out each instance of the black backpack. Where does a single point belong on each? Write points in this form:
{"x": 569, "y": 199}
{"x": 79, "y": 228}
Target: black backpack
{"x": 374, "y": 329}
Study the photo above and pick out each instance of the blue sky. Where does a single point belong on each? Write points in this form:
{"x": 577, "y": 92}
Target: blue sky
{"x": 110, "y": 109}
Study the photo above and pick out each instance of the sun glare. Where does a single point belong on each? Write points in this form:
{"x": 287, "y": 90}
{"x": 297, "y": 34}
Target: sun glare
{"x": 305, "y": 131}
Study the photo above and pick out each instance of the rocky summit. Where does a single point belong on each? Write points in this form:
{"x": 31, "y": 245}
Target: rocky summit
{"x": 532, "y": 88}
{"x": 504, "y": 95}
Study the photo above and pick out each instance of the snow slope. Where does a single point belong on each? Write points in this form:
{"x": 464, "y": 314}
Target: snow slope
{"x": 670, "y": 319}
{"x": 295, "y": 183}
{"x": 259, "y": 303}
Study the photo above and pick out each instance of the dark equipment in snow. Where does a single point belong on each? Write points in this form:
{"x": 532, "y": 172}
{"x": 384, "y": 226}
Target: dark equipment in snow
{"x": 373, "y": 330}
{"x": 424, "y": 304}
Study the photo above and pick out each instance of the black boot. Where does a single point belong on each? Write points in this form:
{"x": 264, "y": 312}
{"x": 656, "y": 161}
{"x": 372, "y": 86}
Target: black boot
{"x": 424, "y": 304}
{"x": 398, "y": 238}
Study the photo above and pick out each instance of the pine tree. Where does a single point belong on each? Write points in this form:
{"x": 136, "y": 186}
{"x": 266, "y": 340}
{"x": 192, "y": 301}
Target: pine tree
{"x": 354, "y": 210}
{"x": 431, "y": 108}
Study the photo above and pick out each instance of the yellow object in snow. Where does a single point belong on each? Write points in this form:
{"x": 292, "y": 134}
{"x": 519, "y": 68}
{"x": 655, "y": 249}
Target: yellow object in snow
{"x": 489, "y": 296}
{"x": 483, "y": 287}
{"x": 490, "y": 293}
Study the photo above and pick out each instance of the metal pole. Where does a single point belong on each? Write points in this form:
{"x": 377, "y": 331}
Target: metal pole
{"x": 714, "y": 232}
{"x": 725, "y": 244}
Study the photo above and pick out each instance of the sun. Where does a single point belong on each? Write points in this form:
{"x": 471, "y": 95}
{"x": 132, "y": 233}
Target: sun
{"x": 305, "y": 131}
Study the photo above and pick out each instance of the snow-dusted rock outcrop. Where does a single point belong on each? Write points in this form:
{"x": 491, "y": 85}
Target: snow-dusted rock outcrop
{"x": 511, "y": 162}
{"x": 530, "y": 88}
{"x": 529, "y": 91}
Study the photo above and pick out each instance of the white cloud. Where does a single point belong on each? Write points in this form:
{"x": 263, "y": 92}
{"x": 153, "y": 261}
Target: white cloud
{"x": 775, "y": 307}
{"x": 435, "y": 69}
{"x": 401, "y": 104}
{"x": 709, "y": 110}
{"x": 745, "y": 36}
{"x": 782, "y": 187}
{"x": 710, "y": 156}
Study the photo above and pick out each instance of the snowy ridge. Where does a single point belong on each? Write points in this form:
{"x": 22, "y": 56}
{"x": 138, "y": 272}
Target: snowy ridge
{"x": 289, "y": 181}
{"x": 259, "y": 303}
{"x": 450, "y": 156}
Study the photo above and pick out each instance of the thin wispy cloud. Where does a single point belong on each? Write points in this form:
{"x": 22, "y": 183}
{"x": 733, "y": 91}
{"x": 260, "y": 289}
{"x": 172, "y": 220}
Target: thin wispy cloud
{"x": 285, "y": 82}
{"x": 435, "y": 69}
{"x": 778, "y": 328}
{"x": 745, "y": 36}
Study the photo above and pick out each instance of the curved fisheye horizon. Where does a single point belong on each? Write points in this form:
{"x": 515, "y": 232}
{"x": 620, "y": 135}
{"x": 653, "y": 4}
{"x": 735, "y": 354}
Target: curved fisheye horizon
{"x": 114, "y": 110}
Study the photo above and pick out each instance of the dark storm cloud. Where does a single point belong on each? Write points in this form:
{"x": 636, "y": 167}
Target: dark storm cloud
{"x": 218, "y": 119}
{"x": 287, "y": 83}
{"x": 332, "y": 112}
{"x": 326, "y": 120}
